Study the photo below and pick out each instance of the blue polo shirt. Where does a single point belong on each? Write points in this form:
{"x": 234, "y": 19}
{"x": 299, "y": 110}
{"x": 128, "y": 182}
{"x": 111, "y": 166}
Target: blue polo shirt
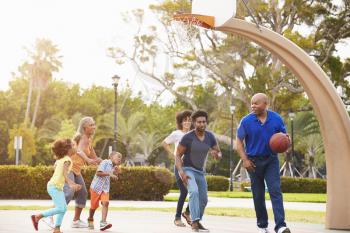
{"x": 257, "y": 135}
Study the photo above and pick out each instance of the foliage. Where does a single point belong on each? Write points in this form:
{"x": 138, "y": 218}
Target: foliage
{"x": 298, "y": 185}
{"x": 138, "y": 183}
{"x": 215, "y": 183}
{"x": 28, "y": 144}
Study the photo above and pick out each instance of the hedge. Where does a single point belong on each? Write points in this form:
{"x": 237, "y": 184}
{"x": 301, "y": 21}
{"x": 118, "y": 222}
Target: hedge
{"x": 215, "y": 183}
{"x": 298, "y": 185}
{"x": 134, "y": 183}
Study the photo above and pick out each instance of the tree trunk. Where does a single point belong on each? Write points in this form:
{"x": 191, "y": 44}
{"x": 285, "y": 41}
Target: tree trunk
{"x": 37, "y": 103}
{"x": 30, "y": 91}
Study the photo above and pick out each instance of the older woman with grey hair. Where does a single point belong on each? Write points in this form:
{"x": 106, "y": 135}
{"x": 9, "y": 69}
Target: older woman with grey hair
{"x": 85, "y": 154}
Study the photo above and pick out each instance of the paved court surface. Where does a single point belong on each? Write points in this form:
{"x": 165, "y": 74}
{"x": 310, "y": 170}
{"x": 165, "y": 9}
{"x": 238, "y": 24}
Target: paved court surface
{"x": 146, "y": 222}
{"x": 213, "y": 202}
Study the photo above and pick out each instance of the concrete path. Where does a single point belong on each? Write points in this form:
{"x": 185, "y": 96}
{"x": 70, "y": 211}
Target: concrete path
{"x": 213, "y": 202}
{"x": 146, "y": 222}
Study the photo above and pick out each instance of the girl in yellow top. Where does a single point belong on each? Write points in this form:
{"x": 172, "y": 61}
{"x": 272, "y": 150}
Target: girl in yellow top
{"x": 62, "y": 149}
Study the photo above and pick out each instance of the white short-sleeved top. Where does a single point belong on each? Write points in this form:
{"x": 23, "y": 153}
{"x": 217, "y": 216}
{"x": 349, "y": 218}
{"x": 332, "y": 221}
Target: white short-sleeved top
{"x": 174, "y": 138}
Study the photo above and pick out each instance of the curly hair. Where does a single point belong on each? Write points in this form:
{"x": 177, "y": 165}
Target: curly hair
{"x": 199, "y": 113}
{"x": 181, "y": 116}
{"x": 61, "y": 147}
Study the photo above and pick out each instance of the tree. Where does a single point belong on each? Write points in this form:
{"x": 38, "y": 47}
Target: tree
{"x": 28, "y": 143}
{"x": 44, "y": 61}
{"x": 127, "y": 128}
{"x": 147, "y": 142}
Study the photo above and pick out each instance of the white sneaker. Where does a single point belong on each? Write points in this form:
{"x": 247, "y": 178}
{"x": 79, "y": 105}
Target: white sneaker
{"x": 49, "y": 222}
{"x": 283, "y": 230}
{"x": 79, "y": 224}
{"x": 263, "y": 230}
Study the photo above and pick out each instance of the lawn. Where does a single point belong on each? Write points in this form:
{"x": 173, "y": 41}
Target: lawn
{"x": 289, "y": 197}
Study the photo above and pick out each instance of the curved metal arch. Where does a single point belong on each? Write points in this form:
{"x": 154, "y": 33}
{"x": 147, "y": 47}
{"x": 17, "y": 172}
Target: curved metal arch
{"x": 330, "y": 111}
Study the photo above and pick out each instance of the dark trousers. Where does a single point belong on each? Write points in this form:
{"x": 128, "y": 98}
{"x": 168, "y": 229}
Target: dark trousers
{"x": 267, "y": 169}
{"x": 182, "y": 197}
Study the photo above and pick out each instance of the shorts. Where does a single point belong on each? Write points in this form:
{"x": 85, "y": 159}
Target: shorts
{"x": 95, "y": 198}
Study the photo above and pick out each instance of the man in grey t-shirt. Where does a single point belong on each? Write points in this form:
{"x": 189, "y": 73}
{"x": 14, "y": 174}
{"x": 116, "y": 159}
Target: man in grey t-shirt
{"x": 194, "y": 147}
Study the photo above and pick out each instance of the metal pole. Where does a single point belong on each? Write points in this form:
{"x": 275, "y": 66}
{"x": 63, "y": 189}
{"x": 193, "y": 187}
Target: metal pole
{"x": 292, "y": 128}
{"x": 231, "y": 154}
{"x": 115, "y": 116}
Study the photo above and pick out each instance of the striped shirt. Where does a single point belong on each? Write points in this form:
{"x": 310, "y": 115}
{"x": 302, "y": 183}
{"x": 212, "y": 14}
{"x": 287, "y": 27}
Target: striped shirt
{"x": 102, "y": 183}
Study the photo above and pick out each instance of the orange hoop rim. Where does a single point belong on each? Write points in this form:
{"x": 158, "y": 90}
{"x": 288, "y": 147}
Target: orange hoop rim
{"x": 204, "y": 21}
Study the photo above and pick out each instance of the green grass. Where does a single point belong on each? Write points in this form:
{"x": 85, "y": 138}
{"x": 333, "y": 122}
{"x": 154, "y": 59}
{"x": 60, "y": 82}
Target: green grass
{"x": 291, "y": 215}
{"x": 290, "y": 197}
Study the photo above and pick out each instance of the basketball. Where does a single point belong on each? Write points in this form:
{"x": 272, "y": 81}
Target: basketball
{"x": 279, "y": 142}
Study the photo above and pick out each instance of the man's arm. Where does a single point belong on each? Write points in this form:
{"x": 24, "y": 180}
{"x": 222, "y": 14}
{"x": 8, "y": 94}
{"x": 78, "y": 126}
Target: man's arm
{"x": 247, "y": 163}
{"x": 216, "y": 152}
{"x": 178, "y": 163}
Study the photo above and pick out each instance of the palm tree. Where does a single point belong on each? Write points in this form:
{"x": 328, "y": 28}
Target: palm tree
{"x": 147, "y": 142}
{"x": 45, "y": 61}
{"x": 127, "y": 129}
{"x": 314, "y": 147}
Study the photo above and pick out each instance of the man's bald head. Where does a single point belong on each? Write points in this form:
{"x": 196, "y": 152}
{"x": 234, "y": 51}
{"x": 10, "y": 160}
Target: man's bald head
{"x": 260, "y": 97}
{"x": 259, "y": 103}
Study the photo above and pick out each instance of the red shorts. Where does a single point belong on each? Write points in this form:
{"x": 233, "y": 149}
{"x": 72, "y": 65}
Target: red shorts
{"x": 96, "y": 198}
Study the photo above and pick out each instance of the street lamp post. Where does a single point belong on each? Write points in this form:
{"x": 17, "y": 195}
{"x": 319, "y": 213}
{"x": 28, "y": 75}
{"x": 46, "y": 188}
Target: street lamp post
{"x": 292, "y": 116}
{"x": 232, "y": 109}
{"x": 115, "y": 80}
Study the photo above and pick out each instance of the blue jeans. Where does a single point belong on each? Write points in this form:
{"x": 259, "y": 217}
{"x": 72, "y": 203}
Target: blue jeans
{"x": 267, "y": 168}
{"x": 183, "y": 195}
{"x": 198, "y": 190}
{"x": 60, "y": 205}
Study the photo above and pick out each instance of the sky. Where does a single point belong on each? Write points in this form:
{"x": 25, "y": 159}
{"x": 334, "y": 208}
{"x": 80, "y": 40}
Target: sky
{"x": 82, "y": 30}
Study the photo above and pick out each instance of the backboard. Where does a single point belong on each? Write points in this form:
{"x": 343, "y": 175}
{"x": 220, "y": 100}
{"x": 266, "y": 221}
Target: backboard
{"x": 209, "y": 13}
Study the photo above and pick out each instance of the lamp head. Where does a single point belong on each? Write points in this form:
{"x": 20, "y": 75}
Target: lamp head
{"x": 115, "y": 79}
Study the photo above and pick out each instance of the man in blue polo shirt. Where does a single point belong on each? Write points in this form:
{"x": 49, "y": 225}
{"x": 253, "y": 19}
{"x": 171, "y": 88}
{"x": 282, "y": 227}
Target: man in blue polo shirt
{"x": 255, "y": 130}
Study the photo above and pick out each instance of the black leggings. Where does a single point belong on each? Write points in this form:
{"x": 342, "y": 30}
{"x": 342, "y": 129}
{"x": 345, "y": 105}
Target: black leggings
{"x": 182, "y": 197}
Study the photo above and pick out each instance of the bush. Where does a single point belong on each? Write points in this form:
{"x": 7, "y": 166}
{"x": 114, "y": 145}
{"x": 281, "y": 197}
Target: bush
{"x": 215, "y": 183}
{"x": 134, "y": 183}
{"x": 298, "y": 185}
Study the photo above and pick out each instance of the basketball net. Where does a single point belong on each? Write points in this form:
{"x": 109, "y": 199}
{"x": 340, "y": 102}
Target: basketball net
{"x": 187, "y": 29}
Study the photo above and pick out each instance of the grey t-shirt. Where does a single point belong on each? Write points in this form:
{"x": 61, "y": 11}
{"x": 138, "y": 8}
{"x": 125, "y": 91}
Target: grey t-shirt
{"x": 196, "y": 150}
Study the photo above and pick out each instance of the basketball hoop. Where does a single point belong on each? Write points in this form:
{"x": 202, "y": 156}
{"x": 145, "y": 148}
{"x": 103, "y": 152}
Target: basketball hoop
{"x": 187, "y": 26}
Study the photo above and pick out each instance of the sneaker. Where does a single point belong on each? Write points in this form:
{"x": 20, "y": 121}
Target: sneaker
{"x": 187, "y": 217}
{"x": 91, "y": 224}
{"x": 79, "y": 224}
{"x": 179, "y": 223}
{"x": 283, "y": 230}
{"x": 195, "y": 226}
{"x": 202, "y": 228}
{"x": 35, "y": 222}
{"x": 105, "y": 226}
{"x": 263, "y": 230}
{"x": 49, "y": 222}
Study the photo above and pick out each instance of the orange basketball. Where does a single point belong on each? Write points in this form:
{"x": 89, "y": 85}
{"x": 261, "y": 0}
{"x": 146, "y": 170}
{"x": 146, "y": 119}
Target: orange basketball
{"x": 279, "y": 142}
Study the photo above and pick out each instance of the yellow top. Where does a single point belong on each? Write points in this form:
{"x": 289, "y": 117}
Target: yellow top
{"x": 57, "y": 178}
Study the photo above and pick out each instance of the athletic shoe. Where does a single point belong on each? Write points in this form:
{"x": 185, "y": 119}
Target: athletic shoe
{"x": 79, "y": 224}
{"x": 283, "y": 230}
{"x": 49, "y": 222}
{"x": 263, "y": 230}
{"x": 105, "y": 226}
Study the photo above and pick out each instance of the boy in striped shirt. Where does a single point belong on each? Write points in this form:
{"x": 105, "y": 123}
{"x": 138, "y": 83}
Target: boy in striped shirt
{"x": 99, "y": 189}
